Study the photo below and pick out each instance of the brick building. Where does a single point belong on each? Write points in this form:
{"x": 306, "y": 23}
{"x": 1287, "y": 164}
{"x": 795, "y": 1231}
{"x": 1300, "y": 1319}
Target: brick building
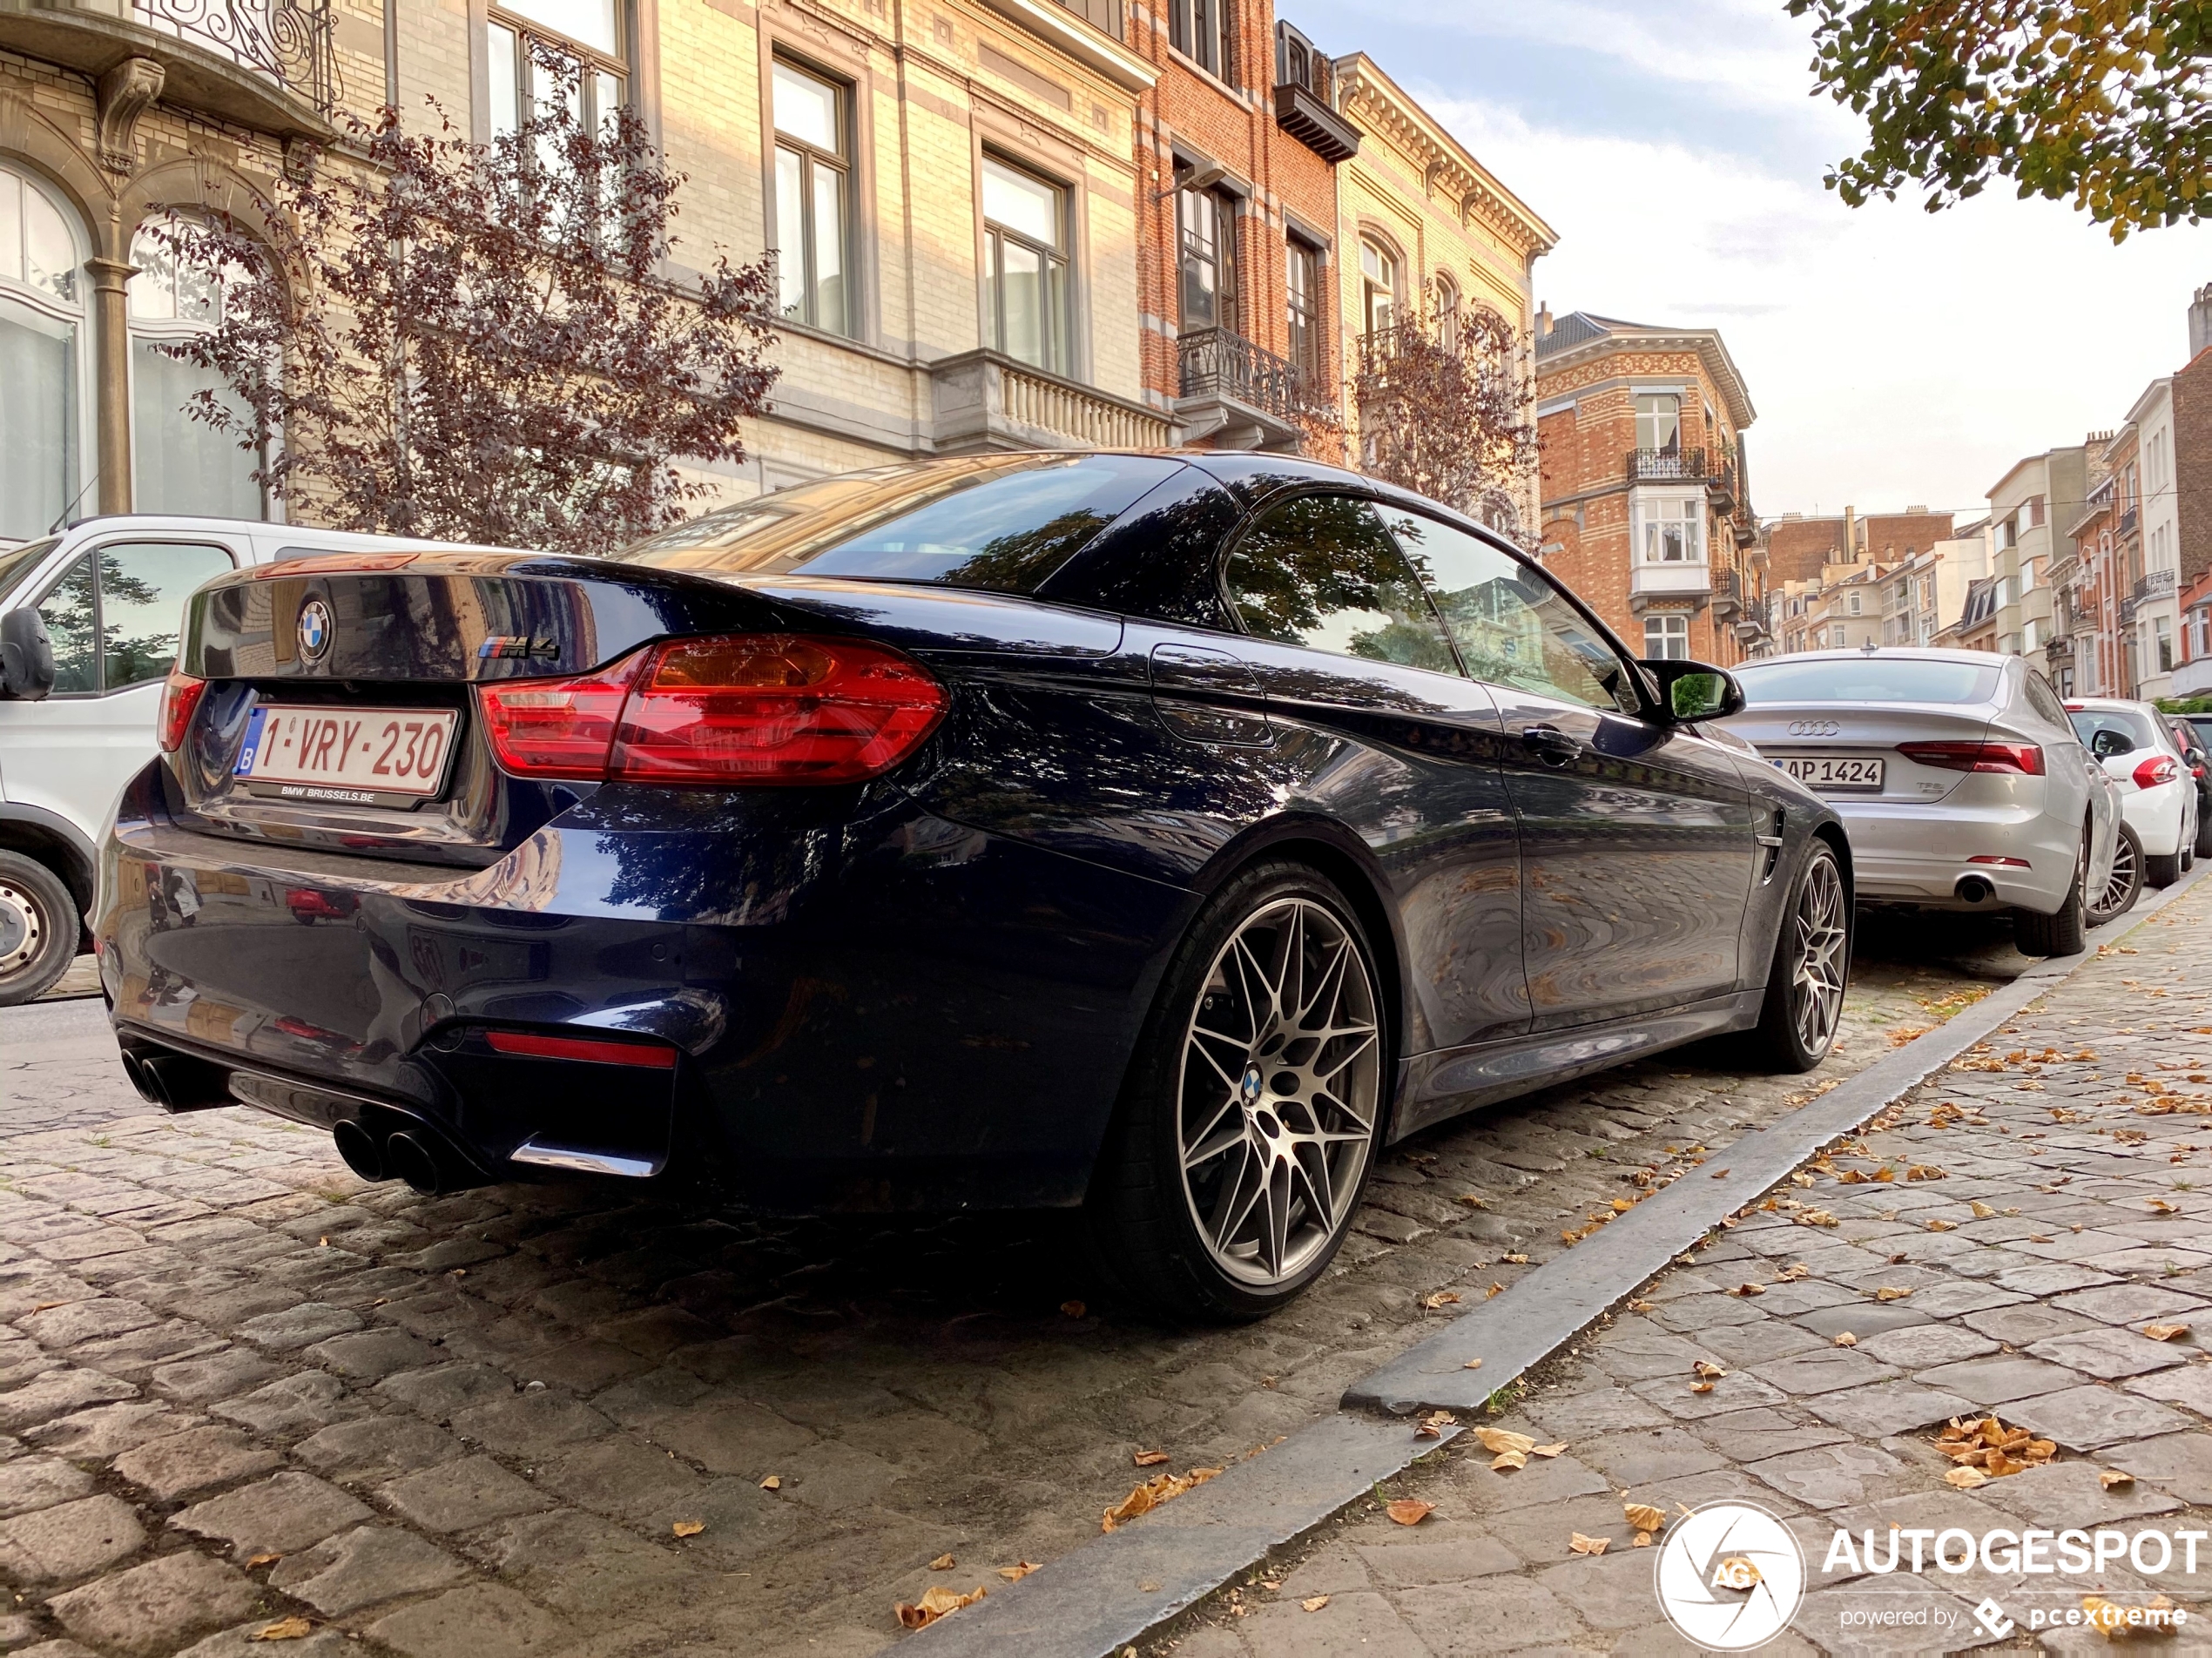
{"x": 1646, "y": 507}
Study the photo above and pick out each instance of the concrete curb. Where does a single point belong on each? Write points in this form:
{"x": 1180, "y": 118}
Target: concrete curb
{"x": 1111, "y": 1591}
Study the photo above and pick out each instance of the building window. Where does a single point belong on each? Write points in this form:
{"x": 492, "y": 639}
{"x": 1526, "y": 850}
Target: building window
{"x": 1836, "y": 636}
{"x": 534, "y": 44}
{"x": 1666, "y": 638}
{"x": 1854, "y": 604}
{"x": 181, "y": 464}
{"x": 1673, "y": 531}
{"x": 1659, "y": 422}
{"x": 1378, "y": 286}
{"x": 2163, "y": 629}
{"x": 41, "y": 361}
{"x": 1448, "y": 312}
{"x": 1206, "y": 240}
{"x": 813, "y": 199}
{"x": 1302, "y": 272}
{"x": 1025, "y": 266}
{"x": 1200, "y": 29}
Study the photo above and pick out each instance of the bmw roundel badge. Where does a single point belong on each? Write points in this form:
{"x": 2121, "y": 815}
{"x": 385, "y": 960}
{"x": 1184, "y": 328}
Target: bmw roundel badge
{"x": 314, "y": 630}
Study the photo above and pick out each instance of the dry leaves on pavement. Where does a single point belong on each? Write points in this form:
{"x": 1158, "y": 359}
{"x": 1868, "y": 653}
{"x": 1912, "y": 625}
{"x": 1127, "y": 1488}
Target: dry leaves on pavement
{"x": 1160, "y": 1488}
{"x": 1019, "y": 1570}
{"x": 1887, "y": 1293}
{"x": 1149, "y": 1459}
{"x": 2110, "y": 1478}
{"x": 1431, "y": 1426}
{"x": 263, "y": 1560}
{"x": 1710, "y": 1371}
{"x": 774, "y": 1482}
{"x": 1578, "y": 1544}
{"x": 936, "y": 1603}
{"x": 284, "y": 1629}
{"x": 2166, "y": 1332}
{"x": 2159, "y": 1206}
{"x": 1314, "y": 1602}
{"x": 1943, "y": 1226}
{"x": 1645, "y": 1517}
{"x": 1436, "y": 1298}
{"x": 1844, "y": 1338}
{"x": 943, "y": 1563}
{"x": 1986, "y": 1445}
{"x": 688, "y": 1527}
{"x": 1409, "y": 1511}
{"x": 1982, "y": 1211}
{"x": 1546, "y": 1450}
{"x": 1508, "y": 1449}
{"x": 1700, "y": 1387}
{"x": 1965, "y": 1479}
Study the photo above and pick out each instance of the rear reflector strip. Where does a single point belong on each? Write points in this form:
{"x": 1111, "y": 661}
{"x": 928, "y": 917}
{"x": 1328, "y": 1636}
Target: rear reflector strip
{"x": 2007, "y": 863}
{"x": 650, "y": 1055}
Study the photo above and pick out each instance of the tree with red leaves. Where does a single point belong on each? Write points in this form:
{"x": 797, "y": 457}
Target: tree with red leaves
{"x": 481, "y": 343}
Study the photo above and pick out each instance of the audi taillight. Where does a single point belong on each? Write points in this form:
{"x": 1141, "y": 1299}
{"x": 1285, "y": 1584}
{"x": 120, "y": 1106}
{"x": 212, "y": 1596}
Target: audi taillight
{"x": 2018, "y": 759}
{"x": 2160, "y": 768}
{"x": 761, "y": 708}
{"x": 180, "y": 694}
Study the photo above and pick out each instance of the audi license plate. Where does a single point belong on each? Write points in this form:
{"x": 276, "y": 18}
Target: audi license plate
{"x": 353, "y": 756}
{"x": 1838, "y": 771}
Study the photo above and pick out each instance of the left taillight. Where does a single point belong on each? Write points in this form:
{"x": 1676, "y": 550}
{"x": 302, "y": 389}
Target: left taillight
{"x": 2160, "y": 768}
{"x": 180, "y": 694}
{"x": 738, "y": 709}
{"x": 2019, "y": 760}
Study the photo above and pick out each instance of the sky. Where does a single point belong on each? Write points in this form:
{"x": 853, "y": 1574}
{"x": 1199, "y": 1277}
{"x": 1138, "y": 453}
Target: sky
{"x": 1895, "y": 357}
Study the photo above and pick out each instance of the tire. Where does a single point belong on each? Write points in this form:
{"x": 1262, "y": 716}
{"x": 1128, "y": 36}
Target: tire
{"x": 2066, "y": 930}
{"x": 1805, "y": 987}
{"x": 2126, "y": 884}
{"x": 39, "y": 926}
{"x": 2203, "y": 834}
{"x": 2161, "y": 870}
{"x": 1208, "y": 1202}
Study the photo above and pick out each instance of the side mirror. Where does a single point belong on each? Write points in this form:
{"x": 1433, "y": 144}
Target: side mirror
{"x": 26, "y": 657}
{"x": 2105, "y": 745}
{"x": 1694, "y": 690}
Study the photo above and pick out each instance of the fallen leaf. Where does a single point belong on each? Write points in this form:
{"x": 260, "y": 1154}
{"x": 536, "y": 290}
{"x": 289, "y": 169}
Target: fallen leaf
{"x": 1546, "y": 1450}
{"x": 942, "y": 1563}
{"x": 1019, "y": 1570}
{"x": 263, "y": 1560}
{"x": 693, "y": 1528}
{"x": 2159, "y": 1206}
{"x": 1472, "y": 1200}
{"x": 1314, "y": 1602}
{"x": 1517, "y": 1260}
{"x": 1720, "y": 1174}
{"x": 774, "y": 1482}
{"x": 1700, "y": 1387}
{"x": 1885, "y": 1293}
{"x": 1149, "y": 1459}
{"x": 1472, "y": 1364}
{"x": 1644, "y": 1517}
{"x": 1644, "y": 1539}
{"x": 1748, "y": 1290}
{"x": 1965, "y": 1479}
{"x": 1498, "y": 1439}
{"x": 1846, "y": 1339}
{"x": 1505, "y": 1460}
{"x": 1491, "y": 1290}
{"x": 1409, "y": 1511}
{"x": 1982, "y": 1211}
{"x": 1432, "y": 1425}
{"x": 1578, "y": 1544}
{"x": 1708, "y": 1369}
{"x": 2110, "y": 1477}
{"x": 1436, "y": 1298}
{"x": 1943, "y": 1226}
{"x": 284, "y": 1629}
{"x": 1919, "y": 1171}
{"x": 1818, "y": 1217}
{"x": 1639, "y": 1306}
{"x": 1074, "y": 1308}
{"x": 935, "y": 1604}
{"x": 1164, "y": 1487}
{"x": 2165, "y": 1333}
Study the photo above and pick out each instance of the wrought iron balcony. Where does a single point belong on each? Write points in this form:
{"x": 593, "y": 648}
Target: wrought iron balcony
{"x": 287, "y": 41}
{"x": 1720, "y": 486}
{"x": 2156, "y": 585}
{"x": 2127, "y": 522}
{"x": 1727, "y": 591}
{"x": 1667, "y": 466}
{"x": 1225, "y": 379}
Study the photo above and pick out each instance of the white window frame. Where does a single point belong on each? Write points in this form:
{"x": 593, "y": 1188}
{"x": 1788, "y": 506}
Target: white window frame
{"x": 1655, "y": 512}
{"x": 1661, "y": 632}
{"x": 162, "y": 331}
{"x": 22, "y": 296}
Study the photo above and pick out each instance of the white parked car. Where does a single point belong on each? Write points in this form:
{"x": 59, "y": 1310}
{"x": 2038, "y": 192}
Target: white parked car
{"x": 1957, "y": 776}
{"x": 2157, "y": 794}
{"x": 106, "y": 597}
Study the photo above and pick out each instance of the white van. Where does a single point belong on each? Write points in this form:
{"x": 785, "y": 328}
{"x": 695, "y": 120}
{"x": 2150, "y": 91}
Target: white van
{"x": 109, "y": 593}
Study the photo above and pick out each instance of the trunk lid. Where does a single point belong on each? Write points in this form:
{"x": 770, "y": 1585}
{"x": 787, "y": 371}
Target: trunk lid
{"x": 1813, "y": 731}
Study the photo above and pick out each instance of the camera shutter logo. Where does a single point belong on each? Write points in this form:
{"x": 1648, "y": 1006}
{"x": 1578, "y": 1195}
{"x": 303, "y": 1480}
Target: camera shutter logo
{"x": 315, "y": 629}
{"x": 1730, "y": 1577}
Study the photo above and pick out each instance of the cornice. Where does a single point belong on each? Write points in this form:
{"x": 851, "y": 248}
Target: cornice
{"x": 1705, "y": 344}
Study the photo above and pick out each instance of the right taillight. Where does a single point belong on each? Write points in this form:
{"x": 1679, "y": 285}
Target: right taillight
{"x": 2160, "y": 768}
{"x": 758, "y": 709}
{"x": 2017, "y": 758}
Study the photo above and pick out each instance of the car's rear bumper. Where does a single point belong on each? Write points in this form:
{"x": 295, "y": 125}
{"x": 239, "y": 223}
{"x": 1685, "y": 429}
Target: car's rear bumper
{"x": 904, "y": 1012}
{"x": 1903, "y": 853}
{"x": 2157, "y": 815}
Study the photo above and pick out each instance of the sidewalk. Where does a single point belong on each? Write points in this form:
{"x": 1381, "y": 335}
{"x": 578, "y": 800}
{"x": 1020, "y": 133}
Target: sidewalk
{"x": 1997, "y": 1242}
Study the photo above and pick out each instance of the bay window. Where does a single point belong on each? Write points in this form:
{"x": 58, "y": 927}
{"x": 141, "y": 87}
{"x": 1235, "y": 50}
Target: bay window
{"x": 1673, "y": 530}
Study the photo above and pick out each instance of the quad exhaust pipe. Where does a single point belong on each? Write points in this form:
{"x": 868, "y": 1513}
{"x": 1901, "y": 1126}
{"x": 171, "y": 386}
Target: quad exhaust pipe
{"x": 178, "y": 1081}
{"x": 417, "y": 1153}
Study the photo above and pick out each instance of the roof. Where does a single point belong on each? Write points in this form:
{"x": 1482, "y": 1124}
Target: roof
{"x": 1581, "y": 333}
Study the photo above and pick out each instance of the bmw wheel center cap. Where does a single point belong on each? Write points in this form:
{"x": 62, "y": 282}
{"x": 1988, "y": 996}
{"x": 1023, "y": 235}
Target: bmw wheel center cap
{"x": 314, "y": 630}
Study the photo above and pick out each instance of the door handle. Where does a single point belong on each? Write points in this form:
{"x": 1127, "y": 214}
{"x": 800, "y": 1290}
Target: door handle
{"x": 1553, "y": 746}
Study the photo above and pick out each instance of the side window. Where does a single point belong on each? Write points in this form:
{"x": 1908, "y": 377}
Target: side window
{"x": 119, "y": 626}
{"x": 1321, "y": 571}
{"x": 72, "y": 618}
{"x": 1513, "y": 628}
{"x": 2045, "y": 701}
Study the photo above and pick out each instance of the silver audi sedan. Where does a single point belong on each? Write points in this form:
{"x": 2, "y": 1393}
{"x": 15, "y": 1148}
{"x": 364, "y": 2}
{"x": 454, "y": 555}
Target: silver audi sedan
{"x": 1958, "y": 776}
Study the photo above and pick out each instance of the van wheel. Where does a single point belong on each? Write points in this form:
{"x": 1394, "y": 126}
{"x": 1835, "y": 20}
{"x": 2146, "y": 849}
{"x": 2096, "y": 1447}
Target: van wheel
{"x": 1254, "y": 1103}
{"x": 38, "y": 929}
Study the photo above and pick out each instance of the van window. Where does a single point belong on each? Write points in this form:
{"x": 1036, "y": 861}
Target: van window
{"x": 115, "y": 615}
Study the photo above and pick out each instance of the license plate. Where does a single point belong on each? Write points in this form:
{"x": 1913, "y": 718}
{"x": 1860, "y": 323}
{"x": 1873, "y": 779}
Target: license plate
{"x": 1834, "y": 771}
{"x": 353, "y": 756}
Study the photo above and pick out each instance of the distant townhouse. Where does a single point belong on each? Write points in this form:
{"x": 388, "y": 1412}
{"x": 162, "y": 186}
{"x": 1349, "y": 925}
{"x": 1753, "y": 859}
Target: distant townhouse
{"x": 1646, "y": 497}
{"x": 2193, "y": 673}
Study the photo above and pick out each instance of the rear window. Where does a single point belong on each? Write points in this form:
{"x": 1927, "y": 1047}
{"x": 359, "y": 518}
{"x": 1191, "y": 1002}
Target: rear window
{"x": 2131, "y": 723}
{"x": 999, "y": 523}
{"x": 1868, "y": 679}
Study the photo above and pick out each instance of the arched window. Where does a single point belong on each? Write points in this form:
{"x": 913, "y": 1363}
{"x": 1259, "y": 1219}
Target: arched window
{"x": 181, "y": 464}
{"x": 43, "y": 352}
{"x": 1448, "y": 312}
{"x": 1378, "y": 286}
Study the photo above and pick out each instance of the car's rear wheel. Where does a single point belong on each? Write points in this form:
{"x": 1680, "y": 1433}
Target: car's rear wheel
{"x": 2126, "y": 882}
{"x": 2066, "y": 930}
{"x": 2161, "y": 869}
{"x": 1250, "y": 1119}
{"x": 1805, "y": 990}
{"x": 2203, "y": 833}
{"x": 38, "y": 928}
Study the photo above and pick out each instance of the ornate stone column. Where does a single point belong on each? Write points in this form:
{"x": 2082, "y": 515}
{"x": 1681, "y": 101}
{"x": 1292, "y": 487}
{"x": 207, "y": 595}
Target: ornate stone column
{"x": 112, "y": 378}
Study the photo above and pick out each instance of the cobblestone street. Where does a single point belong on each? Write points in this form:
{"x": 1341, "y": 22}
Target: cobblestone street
{"x": 240, "y": 1387}
{"x": 2057, "y": 1213}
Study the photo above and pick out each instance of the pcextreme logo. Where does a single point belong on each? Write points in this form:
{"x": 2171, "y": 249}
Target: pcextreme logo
{"x": 1729, "y": 1576}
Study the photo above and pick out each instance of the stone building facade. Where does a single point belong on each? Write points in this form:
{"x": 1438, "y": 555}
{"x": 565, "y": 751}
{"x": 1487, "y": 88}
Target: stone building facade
{"x": 1646, "y": 507}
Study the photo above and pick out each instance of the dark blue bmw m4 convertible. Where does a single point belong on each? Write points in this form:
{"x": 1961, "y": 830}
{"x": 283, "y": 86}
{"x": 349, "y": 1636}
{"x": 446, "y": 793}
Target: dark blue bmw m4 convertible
{"x": 1161, "y": 835}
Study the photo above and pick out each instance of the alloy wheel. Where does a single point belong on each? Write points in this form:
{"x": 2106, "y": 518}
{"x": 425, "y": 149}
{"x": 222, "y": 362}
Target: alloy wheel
{"x": 1282, "y": 1072}
{"x": 2122, "y": 884}
{"x": 1816, "y": 987}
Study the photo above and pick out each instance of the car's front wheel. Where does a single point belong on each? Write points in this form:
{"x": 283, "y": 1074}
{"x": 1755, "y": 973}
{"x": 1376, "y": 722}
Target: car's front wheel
{"x": 38, "y": 928}
{"x": 1252, "y": 1107}
{"x": 1804, "y": 992}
